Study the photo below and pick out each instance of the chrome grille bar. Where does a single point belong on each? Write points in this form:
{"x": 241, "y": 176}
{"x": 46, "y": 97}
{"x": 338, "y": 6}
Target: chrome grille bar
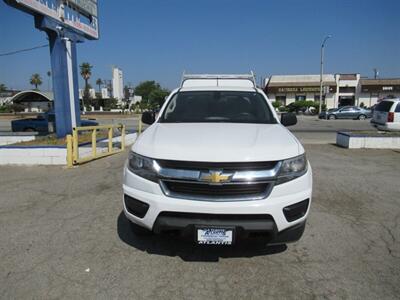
{"x": 237, "y": 176}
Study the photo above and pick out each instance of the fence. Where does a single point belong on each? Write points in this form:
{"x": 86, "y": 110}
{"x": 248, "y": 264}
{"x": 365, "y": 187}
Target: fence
{"x": 73, "y": 153}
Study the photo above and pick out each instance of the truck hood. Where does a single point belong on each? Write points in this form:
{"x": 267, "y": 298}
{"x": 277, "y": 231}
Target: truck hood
{"x": 217, "y": 142}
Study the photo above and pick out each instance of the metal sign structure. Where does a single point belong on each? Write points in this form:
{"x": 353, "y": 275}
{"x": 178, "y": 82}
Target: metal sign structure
{"x": 77, "y": 15}
{"x": 66, "y": 22}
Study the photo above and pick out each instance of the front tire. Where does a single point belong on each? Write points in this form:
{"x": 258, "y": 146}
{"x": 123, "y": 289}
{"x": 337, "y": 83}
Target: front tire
{"x": 332, "y": 117}
{"x": 139, "y": 230}
{"x": 362, "y": 117}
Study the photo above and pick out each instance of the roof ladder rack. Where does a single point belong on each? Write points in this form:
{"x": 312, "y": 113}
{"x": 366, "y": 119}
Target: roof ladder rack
{"x": 251, "y": 77}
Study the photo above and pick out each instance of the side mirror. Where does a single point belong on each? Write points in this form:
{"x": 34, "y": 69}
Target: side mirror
{"x": 148, "y": 118}
{"x": 288, "y": 119}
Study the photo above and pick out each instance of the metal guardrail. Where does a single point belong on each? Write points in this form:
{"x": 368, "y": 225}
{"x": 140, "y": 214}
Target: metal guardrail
{"x": 73, "y": 157}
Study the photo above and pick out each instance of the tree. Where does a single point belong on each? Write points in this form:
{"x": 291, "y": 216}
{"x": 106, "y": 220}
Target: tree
{"x": 145, "y": 88}
{"x": 99, "y": 82}
{"x": 153, "y": 95}
{"x": 86, "y": 72}
{"x": 157, "y": 97}
{"x": 36, "y": 80}
{"x": 2, "y": 87}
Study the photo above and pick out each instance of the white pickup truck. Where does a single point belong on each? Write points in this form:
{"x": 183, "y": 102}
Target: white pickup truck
{"x": 217, "y": 165}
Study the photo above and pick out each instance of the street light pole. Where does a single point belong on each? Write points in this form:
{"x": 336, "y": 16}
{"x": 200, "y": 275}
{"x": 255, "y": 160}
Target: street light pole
{"x": 322, "y": 71}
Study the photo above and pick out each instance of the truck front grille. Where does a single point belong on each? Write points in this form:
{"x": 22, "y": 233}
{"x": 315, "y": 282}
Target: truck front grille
{"x": 226, "y": 166}
{"x": 217, "y": 192}
{"x": 217, "y": 181}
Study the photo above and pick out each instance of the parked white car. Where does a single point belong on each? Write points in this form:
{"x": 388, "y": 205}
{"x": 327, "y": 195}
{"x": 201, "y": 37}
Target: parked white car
{"x": 218, "y": 165}
{"x": 386, "y": 115}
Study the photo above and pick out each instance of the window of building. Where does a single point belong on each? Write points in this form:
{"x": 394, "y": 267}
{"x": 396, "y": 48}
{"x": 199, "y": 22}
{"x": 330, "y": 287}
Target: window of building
{"x": 281, "y": 100}
{"x": 316, "y": 98}
{"x": 300, "y": 98}
{"x": 347, "y": 89}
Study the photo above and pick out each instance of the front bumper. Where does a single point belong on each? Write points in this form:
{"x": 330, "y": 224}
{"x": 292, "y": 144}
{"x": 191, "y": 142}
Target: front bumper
{"x": 246, "y": 226}
{"x": 247, "y": 213}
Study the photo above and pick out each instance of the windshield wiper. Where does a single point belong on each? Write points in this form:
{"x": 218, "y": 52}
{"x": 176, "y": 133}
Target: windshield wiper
{"x": 216, "y": 119}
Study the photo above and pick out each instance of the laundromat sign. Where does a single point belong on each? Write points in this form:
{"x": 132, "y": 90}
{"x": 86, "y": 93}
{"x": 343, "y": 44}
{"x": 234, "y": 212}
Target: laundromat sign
{"x": 308, "y": 89}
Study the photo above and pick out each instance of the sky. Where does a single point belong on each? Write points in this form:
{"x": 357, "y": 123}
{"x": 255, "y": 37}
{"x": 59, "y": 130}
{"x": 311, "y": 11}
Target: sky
{"x": 158, "y": 40}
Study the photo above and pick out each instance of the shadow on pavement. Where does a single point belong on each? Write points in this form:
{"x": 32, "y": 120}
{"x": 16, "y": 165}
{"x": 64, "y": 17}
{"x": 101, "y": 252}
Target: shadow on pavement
{"x": 188, "y": 251}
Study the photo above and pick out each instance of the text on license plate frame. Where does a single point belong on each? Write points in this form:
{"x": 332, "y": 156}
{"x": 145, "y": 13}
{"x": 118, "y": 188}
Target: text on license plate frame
{"x": 210, "y": 235}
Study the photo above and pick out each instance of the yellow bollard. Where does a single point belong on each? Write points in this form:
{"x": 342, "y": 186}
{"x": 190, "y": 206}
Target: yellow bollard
{"x": 140, "y": 126}
{"x": 75, "y": 145}
{"x": 94, "y": 140}
{"x": 123, "y": 137}
{"x": 110, "y": 135}
{"x": 69, "y": 151}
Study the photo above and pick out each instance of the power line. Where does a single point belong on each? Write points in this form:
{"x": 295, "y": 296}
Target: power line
{"x": 23, "y": 50}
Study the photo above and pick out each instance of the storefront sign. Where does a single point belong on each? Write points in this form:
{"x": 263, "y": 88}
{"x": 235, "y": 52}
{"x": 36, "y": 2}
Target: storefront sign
{"x": 307, "y": 89}
{"x": 380, "y": 88}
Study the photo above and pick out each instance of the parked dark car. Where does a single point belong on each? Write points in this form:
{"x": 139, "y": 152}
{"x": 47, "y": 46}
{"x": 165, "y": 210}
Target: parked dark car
{"x": 346, "y": 112}
{"x": 41, "y": 123}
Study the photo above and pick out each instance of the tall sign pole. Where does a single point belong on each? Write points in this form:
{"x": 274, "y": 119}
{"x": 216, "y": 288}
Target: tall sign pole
{"x": 322, "y": 71}
{"x": 64, "y": 74}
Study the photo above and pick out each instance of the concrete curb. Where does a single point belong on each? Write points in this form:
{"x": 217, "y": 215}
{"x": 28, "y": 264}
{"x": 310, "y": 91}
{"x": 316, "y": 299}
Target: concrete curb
{"x": 47, "y": 155}
{"x": 12, "y": 139}
{"x": 359, "y": 141}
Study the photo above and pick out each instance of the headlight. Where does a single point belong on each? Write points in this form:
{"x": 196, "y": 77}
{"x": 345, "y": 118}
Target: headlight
{"x": 292, "y": 168}
{"x": 142, "y": 166}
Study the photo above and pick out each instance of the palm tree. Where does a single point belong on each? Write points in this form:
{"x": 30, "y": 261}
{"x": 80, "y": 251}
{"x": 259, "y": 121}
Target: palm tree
{"x": 86, "y": 72}
{"x": 99, "y": 82}
{"x": 36, "y": 80}
{"x": 48, "y": 80}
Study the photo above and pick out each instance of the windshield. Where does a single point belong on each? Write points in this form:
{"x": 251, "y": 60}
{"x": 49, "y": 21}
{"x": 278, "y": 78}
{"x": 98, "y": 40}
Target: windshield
{"x": 217, "y": 106}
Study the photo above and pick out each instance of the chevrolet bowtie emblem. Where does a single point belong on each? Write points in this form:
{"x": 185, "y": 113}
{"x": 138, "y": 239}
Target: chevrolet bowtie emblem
{"x": 216, "y": 177}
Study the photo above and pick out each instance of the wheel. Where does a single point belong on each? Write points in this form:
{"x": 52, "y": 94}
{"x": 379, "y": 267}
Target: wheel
{"x": 362, "y": 117}
{"x": 139, "y": 230}
{"x": 29, "y": 130}
{"x": 331, "y": 117}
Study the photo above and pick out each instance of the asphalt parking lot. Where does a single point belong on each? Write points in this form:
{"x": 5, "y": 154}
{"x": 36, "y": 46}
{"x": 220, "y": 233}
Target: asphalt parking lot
{"x": 62, "y": 235}
{"x": 305, "y": 123}
{"x": 309, "y": 129}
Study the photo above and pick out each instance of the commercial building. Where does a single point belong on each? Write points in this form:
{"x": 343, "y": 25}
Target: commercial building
{"x": 104, "y": 93}
{"x": 33, "y": 100}
{"x": 117, "y": 84}
{"x": 371, "y": 90}
{"x": 338, "y": 89}
{"x": 290, "y": 88}
{"x": 6, "y": 96}
{"x": 92, "y": 93}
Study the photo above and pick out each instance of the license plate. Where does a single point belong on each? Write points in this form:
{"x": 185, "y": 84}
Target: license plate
{"x": 214, "y": 236}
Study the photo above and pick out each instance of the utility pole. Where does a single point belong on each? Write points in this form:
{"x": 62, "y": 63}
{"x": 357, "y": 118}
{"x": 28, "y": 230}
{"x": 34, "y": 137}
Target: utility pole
{"x": 322, "y": 71}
